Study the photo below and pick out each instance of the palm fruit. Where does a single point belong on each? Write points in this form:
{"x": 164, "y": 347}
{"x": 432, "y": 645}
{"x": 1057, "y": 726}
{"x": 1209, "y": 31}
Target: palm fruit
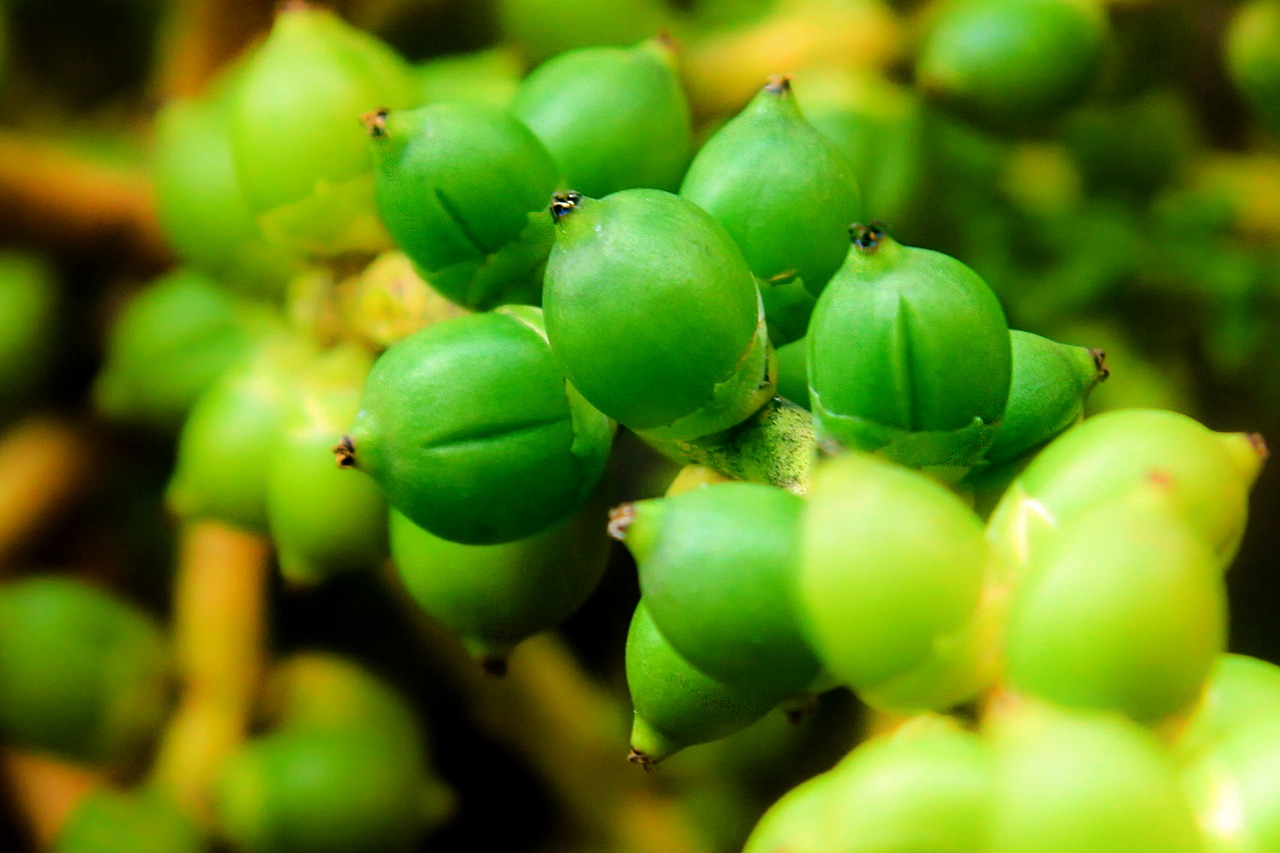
{"x": 29, "y": 304}
{"x": 388, "y": 301}
{"x": 878, "y": 128}
{"x": 326, "y": 790}
{"x": 1239, "y": 691}
{"x": 716, "y": 568}
{"x": 481, "y": 77}
{"x": 495, "y": 596}
{"x": 463, "y": 189}
{"x": 169, "y": 344}
{"x": 612, "y": 118}
{"x": 1124, "y": 611}
{"x": 793, "y": 372}
{"x": 294, "y": 130}
{"x": 909, "y": 357}
{"x": 201, "y": 207}
{"x": 1233, "y": 788}
{"x": 1253, "y": 57}
{"x": 1206, "y": 474}
{"x": 794, "y": 824}
{"x": 875, "y": 595}
{"x": 545, "y": 28}
{"x": 1050, "y": 383}
{"x": 676, "y": 704}
{"x": 318, "y": 690}
{"x": 323, "y": 521}
{"x": 1008, "y": 63}
{"x": 654, "y": 314}
{"x": 224, "y": 451}
{"x": 143, "y": 821}
{"x": 781, "y": 189}
{"x": 471, "y": 430}
{"x": 83, "y": 674}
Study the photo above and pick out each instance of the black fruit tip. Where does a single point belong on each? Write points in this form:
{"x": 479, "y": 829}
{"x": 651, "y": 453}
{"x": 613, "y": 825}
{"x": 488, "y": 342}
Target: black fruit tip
{"x": 344, "y": 453}
{"x": 779, "y": 84}
{"x": 620, "y": 520}
{"x": 375, "y": 123}
{"x": 1100, "y": 362}
{"x": 868, "y": 237}
{"x": 494, "y": 665}
{"x": 562, "y": 204}
{"x": 635, "y": 756}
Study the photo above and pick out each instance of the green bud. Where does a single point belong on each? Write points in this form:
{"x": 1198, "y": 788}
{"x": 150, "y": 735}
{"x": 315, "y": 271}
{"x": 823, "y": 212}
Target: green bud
{"x": 322, "y": 520}
{"x": 295, "y": 130}
{"x": 716, "y": 570}
{"x": 470, "y": 430}
{"x": 1050, "y": 383}
{"x": 1253, "y": 57}
{"x": 909, "y": 357}
{"x": 83, "y": 674}
{"x": 142, "y": 821}
{"x": 875, "y": 595}
{"x": 463, "y": 189}
{"x": 495, "y": 596}
{"x": 1009, "y": 62}
{"x": 29, "y": 303}
{"x": 1240, "y": 690}
{"x": 481, "y": 77}
{"x": 1123, "y": 612}
{"x": 654, "y": 314}
{"x": 612, "y": 118}
{"x": 676, "y": 704}
{"x": 780, "y": 188}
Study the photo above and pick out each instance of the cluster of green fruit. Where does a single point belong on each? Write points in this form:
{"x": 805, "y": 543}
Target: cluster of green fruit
{"x": 887, "y": 489}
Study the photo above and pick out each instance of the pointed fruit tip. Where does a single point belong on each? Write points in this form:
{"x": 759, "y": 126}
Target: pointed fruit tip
{"x": 1100, "y": 362}
{"x": 778, "y": 84}
{"x": 562, "y": 204}
{"x": 620, "y": 520}
{"x": 375, "y": 123}
{"x": 867, "y": 238}
{"x": 635, "y": 756}
{"x": 344, "y": 453}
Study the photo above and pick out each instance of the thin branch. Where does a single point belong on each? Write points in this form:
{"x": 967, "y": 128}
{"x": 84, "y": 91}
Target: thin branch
{"x": 44, "y": 463}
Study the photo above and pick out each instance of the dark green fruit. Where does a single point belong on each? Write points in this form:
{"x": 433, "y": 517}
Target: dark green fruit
{"x": 793, "y": 372}
{"x": 83, "y": 674}
{"x": 716, "y": 571}
{"x": 29, "y": 304}
{"x": 323, "y": 521}
{"x": 780, "y": 188}
{"x": 462, "y": 188}
{"x": 909, "y": 357}
{"x": 1253, "y": 57}
{"x": 495, "y": 596}
{"x": 295, "y": 136}
{"x": 143, "y": 821}
{"x": 1010, "y": 62}
{"x": 654, "y": 314}
{"x": 676, "y": 704}
{"x": 471, "y": 430}
{"x": 545, "y": 28}
{"x": 612, "y": 118}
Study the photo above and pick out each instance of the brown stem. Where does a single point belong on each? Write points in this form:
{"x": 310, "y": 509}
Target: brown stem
{"x": 43, "y": 462}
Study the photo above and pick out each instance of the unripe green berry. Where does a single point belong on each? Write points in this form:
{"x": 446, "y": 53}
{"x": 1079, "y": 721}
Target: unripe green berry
{"x": 142, "y": 821}
{"x": 29, "y": 304}
{"x": 1239, "y": 691}
{"x": 1253, "y": 57}
{"x": 481, "y": 77}
{"x": 1234, "y": 788}
{"x": 546, "y": 28}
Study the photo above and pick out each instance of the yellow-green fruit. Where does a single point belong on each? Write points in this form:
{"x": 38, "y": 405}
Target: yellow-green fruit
{"x": 29, "y": 304}
{"x": 141, "y": 821}
{"x": 1253, "y": 57}
{"x": 545, "y": 28}
{"x": 481, "y": 77}
{"x": 1235, "y": 789}
{"x": 1240, "y": 690}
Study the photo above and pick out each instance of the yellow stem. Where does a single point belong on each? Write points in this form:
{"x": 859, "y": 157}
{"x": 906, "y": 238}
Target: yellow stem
{"x": 44, "y": 462}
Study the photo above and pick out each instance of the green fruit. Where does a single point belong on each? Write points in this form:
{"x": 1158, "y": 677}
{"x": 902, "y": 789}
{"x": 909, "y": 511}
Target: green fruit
{"x": 1010, "y": 62}
{"x": 676, "y": 704}
{"x": 1050, "y": 383}
{"x": 295, "y": 137}
{"x": 794, "y": 824}
{"x": 472, "y": 432}
{"x": 1124, "y": 612}
{"x": 1207, "y": 475}
{"x": 716, "y": 570}
{"x": 323, "y": 521}
{"x": 654, "y": 314}
{"x": 793, "y": 372}
{"x": 481, "y": 77}
{"x": 29, "y": 303}
{"x": 1239, "y": 691}
{"x": 545, "y": 28}
{"x": 495, "y": 596}
{"x": 169, "y": 344}
{"x": 144, "y": 821}
{"x": 83, "y": 674}
{"x": 780, "y": 188}
{"x": 463, "y": 189}
{"x": 612, "y": 118}
{"x": 1067, "y": 782}
{"x": 909, "y": 357}
{"x": 1253, "y": 57}
{"x": 224, "y": 452}
{"x": 875, "y": 594}
{"x": 1235, "y": 790}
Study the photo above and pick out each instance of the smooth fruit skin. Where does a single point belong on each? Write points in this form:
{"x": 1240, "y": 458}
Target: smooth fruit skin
{"x": 1253, "y": 57}
{"x": 717, "y": 566}
{"x": 463, "y": 187}
{"x": 547, "y": 28}
{"x": 1235, "y": 790}
{"x": 143, "y": 821}
{"x": 1124, "y": 613}
{"x": 1011, "y": 62}
{"x": 909, "y": 356}
{"x": 676, "y": 704}
{"x": 612, "y": 118}
{"x": 874, "y": 593}
{"x": 30, "y": 305}
{"x": 495, "y": 596}
{"x": 780, "y": 188}
{"x": 471, "y": 430}
{"x": 299, "y": 154}
{"x": 481, "y": 77}
{"x": 1239, "y": 690}
{"x": 655, "y": 316}
{"x": 83, "y": 674}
